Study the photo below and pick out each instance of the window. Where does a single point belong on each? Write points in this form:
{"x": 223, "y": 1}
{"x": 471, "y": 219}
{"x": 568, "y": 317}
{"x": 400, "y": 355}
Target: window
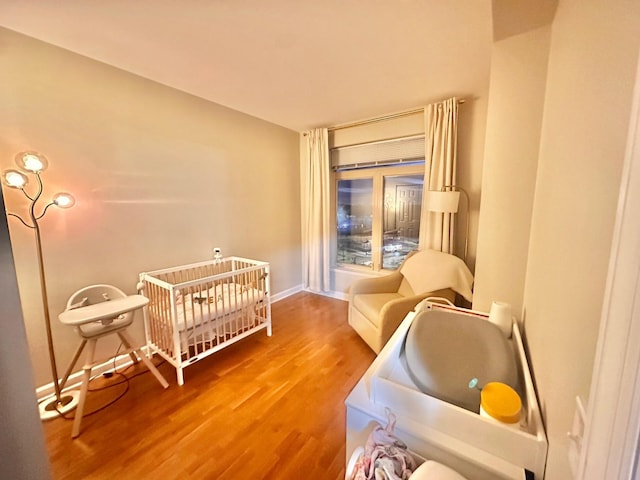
{"x": 378, "y": 204}
{"x": 355, "y": 220}
{"x": 401, "y": 217}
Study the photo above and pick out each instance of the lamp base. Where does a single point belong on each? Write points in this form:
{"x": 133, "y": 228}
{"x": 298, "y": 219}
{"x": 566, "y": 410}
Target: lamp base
{"x": 52, "y": 408}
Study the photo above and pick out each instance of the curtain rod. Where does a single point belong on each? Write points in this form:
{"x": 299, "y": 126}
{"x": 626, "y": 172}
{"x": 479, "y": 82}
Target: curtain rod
{"x": 376, "y": 119}
{"x": 379, "y": 119}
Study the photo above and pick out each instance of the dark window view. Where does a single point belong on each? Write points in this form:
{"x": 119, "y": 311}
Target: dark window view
{"x": 401, "y": 218}
{"x": 355, "y": 218}
{"x": 402, "y": 199}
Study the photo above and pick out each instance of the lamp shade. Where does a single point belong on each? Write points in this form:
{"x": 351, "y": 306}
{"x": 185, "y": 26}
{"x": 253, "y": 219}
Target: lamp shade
{"x": 445, "y": 202}
{"x": 64, "y": 200}
{"x": 15, "y": 179}
{"x": 32, "y": 161}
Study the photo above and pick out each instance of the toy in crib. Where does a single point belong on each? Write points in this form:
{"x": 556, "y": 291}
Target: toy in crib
{"x": 201, "y": 300}
{"x": 219, "y": 293}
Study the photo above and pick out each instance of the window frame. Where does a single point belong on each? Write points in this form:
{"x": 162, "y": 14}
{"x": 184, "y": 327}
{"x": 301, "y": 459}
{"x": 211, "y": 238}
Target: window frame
{"x": 377, "y": 175}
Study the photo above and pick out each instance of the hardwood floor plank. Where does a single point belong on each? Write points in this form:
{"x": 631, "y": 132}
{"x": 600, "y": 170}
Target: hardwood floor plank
{"x": 263, "y": 408}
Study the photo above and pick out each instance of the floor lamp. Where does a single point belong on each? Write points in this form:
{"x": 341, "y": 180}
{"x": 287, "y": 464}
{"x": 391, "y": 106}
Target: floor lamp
{"x": 447, "y": 200}
{"x": 34, "y": 163}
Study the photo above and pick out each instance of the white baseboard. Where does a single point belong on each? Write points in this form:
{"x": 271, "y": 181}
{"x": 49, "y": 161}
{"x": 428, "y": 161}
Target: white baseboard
{"x": 300, "y": 288}
{"x": 336, "y": 295}
{"x": 286, "y": 293}
{"x": 75, "y": 379}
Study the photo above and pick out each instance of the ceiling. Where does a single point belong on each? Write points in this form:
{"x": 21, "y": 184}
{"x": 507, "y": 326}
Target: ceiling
{"x": 296, "y": 63}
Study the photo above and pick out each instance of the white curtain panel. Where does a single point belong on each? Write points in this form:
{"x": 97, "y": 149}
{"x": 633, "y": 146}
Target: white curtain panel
{"x": 441, "y": 132}
{"x": 316, "y": 215}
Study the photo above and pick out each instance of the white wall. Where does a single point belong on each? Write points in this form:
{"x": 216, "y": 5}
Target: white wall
{"x": 160, "y": 177}
{"x": 592, "y": 64}
{"x": 514, "y": 118}
{"x": 22, "y": 452}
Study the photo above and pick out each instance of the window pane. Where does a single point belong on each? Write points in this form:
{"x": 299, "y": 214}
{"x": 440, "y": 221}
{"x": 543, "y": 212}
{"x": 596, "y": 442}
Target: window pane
{"x": 401, "y": 222}
{"x": 354, "y": 220}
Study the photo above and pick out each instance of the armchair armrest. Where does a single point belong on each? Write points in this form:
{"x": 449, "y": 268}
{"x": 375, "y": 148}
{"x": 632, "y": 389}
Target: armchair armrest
{"x": 385, "y": 284}
{"x": 393, "y": 313}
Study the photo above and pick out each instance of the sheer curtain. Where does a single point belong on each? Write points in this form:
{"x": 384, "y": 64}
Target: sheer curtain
{"x": 316, "y": 214}
{"x": 441, "y": 132}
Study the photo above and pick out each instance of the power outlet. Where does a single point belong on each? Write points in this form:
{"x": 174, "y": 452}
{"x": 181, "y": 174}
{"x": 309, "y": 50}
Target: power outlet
{"x": 576, "y": 435}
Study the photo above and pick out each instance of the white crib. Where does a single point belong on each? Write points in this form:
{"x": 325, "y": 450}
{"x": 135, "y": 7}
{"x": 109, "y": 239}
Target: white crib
{"x": 195, "y": 310}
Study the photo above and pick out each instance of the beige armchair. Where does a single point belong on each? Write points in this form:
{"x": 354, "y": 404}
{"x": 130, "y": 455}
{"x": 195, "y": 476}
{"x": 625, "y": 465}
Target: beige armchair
{"x": 378, "y": 305}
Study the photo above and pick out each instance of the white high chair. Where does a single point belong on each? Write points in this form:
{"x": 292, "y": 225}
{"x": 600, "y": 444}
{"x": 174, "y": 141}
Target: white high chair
{"x": 96, "y": 311}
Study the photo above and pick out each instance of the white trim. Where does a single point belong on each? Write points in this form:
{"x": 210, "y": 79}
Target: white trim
{"x": 336, "y": 295}
{"x": 286, "y": 293}
{"x": 75, "y": 379}
{"x": 613, "y": 419}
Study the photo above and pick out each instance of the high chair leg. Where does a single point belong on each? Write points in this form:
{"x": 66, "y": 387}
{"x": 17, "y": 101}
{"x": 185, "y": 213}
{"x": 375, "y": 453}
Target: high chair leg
{"x": 86, "y": 376}
{"x": 127, "y": 341}
{"x": 73, "y": 363}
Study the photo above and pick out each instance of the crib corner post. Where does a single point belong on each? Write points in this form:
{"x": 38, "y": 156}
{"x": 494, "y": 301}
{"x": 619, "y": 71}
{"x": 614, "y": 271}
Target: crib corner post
{"x": 267, "y": 288}
{"x": 140, "y": 288}
{"x": 180, "y": 376}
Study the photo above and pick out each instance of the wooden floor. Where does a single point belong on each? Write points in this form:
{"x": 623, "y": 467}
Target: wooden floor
{"x": 263, "y": 408}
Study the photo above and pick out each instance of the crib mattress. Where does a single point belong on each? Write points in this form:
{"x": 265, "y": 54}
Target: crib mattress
{"x": 215, "y": 303}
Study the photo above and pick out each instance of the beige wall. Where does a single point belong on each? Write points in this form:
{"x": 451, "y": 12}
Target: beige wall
{"x": 472, "y": 118}
{"x": 160, "y": 177}
{"x": 514, "y": 118}
{"x": 592, "y": 64}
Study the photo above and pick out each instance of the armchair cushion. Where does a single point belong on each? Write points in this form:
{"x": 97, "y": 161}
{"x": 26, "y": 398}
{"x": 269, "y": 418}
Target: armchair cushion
{"x": 370, "y": 304}
{"x": 383, "y": 284}
{"x": 444, "y": 271}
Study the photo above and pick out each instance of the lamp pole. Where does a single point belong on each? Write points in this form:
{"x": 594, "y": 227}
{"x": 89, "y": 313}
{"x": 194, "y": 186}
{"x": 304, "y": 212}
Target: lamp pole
{"x": 466, "y": 233}
{"x": 60, "y": 401}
